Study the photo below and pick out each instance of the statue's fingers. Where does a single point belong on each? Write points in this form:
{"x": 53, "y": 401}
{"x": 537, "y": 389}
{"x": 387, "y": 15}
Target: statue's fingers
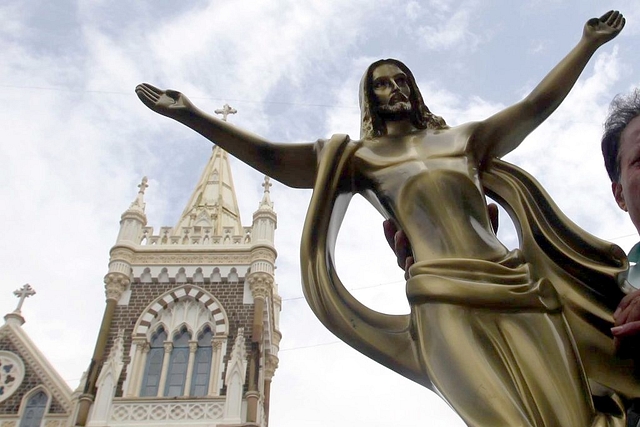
{"x": 152, "y": 88}
{"x": 148, "y": 93}
{"x": 620, "y": 25}
{"x": 612, "y": 18}
{"x": 606, "y": 16}
{"x": 142, "y": 93}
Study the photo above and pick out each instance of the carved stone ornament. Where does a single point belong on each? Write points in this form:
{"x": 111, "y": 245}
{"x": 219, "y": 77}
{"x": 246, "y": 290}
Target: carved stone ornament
{"x": 11, "y": 374}
{"x": 270, "y": 366}
{"x": 115, "y": 284}
{"x": 266, "y": 254}
{"x": 260, "y": 285}
{"x": 192, "y": 259}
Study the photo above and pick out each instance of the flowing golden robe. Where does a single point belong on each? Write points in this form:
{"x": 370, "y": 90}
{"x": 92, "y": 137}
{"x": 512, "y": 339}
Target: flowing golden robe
{"x": 490, "y": 336}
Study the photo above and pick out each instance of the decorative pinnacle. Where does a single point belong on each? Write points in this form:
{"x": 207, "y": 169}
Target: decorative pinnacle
{"x": 266, "y": 200}
{"x": 22, "y": 293}
{"x": 139, "y": 201}
{"x": 225, "y": 111}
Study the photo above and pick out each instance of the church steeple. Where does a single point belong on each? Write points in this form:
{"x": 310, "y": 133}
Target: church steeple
{"x": 192, "y": 314}
{"x": 213, "y": 202}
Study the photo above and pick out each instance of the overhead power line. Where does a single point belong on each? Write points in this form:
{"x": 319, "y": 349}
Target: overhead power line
{"x": 247, "y": 101}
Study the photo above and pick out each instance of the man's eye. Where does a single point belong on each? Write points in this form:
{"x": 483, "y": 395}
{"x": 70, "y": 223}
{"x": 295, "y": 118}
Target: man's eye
{"x": 380, "y": 84}
{"x": 401, "y": 81}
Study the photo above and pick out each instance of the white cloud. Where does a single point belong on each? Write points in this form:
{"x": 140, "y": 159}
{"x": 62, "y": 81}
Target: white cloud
{"x": 451, "y": 31}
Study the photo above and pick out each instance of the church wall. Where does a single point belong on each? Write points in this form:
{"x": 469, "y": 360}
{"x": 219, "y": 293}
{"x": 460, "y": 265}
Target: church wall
{"x": 230, "y": 296}
{"x": 11, "y": 406}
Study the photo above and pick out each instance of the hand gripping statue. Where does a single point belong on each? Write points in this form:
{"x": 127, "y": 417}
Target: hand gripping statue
{"x": 507, "y": 338}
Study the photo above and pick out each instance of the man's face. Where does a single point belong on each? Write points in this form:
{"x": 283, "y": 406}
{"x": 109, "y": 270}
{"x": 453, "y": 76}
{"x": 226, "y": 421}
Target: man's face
{"x": 391, "y": 89}
{"x": 627, "y": 190}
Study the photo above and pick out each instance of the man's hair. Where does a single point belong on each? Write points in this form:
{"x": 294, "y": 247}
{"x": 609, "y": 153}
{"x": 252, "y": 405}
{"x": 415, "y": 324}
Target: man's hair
{"x": 622, "y": 110}
{"x": 372, "y": 123}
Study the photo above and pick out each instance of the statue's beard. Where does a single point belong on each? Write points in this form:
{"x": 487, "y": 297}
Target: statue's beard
{"x": 398, "y": 111}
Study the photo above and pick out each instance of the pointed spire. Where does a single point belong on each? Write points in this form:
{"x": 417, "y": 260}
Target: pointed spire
{"x": 266, "y": 197}
{"x": 138, "y": 204}
{"x": 213, "y": 202}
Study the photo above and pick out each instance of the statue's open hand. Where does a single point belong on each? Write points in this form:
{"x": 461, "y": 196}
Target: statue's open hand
{"x": 170, "y": 103}
{"x": 604, "y": 28}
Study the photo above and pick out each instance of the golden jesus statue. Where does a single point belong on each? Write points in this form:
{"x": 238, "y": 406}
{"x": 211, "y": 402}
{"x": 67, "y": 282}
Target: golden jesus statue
{"x": 507, "y": 338}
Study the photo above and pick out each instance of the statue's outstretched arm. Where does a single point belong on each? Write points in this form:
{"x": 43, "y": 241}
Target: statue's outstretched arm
{"x": 292, "y": 164}
{"x": 504, "y": 131}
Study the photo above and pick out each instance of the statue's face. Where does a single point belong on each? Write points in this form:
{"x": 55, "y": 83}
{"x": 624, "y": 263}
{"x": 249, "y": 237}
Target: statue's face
{"x": 391, "y": 89}
{"x": 627, "y": 190}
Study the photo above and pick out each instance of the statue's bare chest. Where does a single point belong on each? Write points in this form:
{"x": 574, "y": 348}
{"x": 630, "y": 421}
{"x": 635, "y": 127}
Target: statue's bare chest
{"x": 390, "y": 161}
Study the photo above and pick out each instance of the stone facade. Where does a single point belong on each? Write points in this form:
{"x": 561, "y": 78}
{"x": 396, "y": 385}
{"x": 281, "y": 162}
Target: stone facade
{"x": 230, "y": 296}
{"x": 32, "y": 379}
{"x": 207, "y": 273}
{"x": 27, "y": 374}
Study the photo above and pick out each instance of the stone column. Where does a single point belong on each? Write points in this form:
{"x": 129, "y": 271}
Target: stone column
{"x": 193, "y": 347}
{"x": 116, "y": 283}
{"x": 168, "y": 346}
{"x": 271, "y": 365}
{"x": 216, "y": 359}
{"x": 260, "y": 284}
{"x": 137, "y": 366}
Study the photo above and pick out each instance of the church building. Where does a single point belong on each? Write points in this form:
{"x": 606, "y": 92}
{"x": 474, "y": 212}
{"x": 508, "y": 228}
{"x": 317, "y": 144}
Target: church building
{"x": 189, "y": 335}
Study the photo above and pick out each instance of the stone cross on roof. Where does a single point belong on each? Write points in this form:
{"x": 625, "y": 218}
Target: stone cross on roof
{"x": 143, "y": 185}
{"x": 225, "y": 111}
{"x": 22, "y": 293}
{"x": 267, "y": 184}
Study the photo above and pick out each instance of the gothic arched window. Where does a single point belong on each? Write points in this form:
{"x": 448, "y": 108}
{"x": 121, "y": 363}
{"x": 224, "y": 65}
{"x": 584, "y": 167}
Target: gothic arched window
{"x": 153, "y": 368}
{"x": 202, "y": 365}
{"x": 179, "y": 346}
{"x": 178, "y": 363}
{"x": 34, "y": 411}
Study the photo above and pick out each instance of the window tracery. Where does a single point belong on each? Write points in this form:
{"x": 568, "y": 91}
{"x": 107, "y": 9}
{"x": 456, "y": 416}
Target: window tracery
{"x": 173, "y": 354}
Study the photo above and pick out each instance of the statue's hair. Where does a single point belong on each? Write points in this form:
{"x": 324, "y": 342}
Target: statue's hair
{"x": 622, "y": 110}
{"x": 373, "y": 125}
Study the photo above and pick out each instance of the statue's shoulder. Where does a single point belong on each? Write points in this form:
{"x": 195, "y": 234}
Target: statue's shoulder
{"x": 334, "y": 145}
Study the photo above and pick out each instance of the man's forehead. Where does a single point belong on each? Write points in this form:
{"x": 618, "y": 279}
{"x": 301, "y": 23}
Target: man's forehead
{"x": 631, "y": 133}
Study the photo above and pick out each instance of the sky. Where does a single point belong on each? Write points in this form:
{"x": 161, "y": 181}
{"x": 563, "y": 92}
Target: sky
{"x": 76, "y": 142}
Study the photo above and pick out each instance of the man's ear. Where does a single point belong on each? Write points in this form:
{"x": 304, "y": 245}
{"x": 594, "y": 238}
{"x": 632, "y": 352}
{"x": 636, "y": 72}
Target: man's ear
{"x": 616, "y": 188}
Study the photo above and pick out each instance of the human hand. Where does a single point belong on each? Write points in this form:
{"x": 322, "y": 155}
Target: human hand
{"x": 400, "y": 245}
{"x": 605, "y": 28}
{"x": 170, "y": 103}
{"x": 626, "y": 332}
{"x": 399, "y": 242}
